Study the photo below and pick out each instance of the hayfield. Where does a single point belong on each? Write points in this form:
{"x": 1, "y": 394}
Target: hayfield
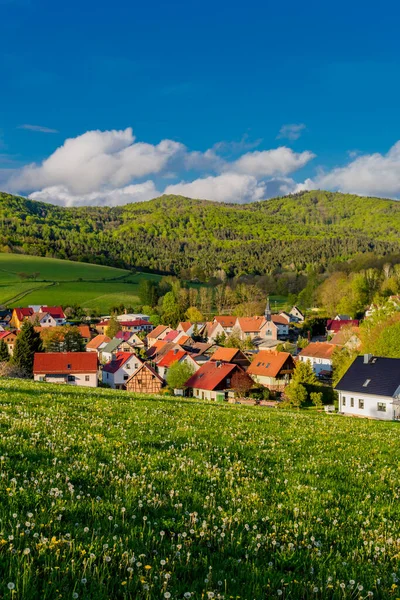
{"x": 106, "y": 495}
{"x": 65, "y": 282}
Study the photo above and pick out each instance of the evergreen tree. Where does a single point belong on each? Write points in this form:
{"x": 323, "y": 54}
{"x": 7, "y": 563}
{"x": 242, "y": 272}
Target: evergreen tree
{"x": 4, "y": 353}
{"x": 27, "y": 343}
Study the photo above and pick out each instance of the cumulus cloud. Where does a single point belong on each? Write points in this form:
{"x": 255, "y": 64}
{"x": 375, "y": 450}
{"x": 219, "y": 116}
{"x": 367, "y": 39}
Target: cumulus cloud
{"x": 228, "y": 187}
{"x": 269, "y": 163}
{"x": 370, "y": 174}
{"x": 291, "y": 131}
{"x": 38, "y": 128}
{"x": 62, "y": 196}
{"x": 97, "y": 158}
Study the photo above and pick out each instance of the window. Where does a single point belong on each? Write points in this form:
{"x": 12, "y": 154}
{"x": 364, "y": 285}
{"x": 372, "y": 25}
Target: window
{"x": 228, "y": 381}
{"x": 360, "y": 403}
{"x": 68, "y": 366}
{"x": 344, "y": 401}
{"x": 381, "y": 406}
{"x": 71, "y": 378}
{"x": 87, "y": 378}
{"x": 128, "y": 366}
{"x": 352, "y": 402}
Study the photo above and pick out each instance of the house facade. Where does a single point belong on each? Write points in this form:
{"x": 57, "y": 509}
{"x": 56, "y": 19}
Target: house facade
{"x": 231, "y": 355}
{"x": 117, "y": 372}
{"x": 319, "y": 355}
{"x": 272, "y": 369}
{"x": 144, "y": 381}
{"x": 73, "y": 368}
{"x": 9, "y": 338}
{"x": 371, "y": 388}
{"x": 296, "y": 315}
{"x": 212, "y": 381}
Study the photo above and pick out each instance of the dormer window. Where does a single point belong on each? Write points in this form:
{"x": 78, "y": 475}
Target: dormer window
{"x": 68, "y": 366}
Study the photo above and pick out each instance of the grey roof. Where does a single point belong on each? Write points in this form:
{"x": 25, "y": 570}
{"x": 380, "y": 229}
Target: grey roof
{"x": 112, "y": 345}
{"x": 383, "y": 375}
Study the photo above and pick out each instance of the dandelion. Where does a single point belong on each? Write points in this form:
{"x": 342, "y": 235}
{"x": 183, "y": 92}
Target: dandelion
{"x": 83, "y": 580}
{"x": 279, "y": 592}
{"x": 75, "y": 595}
{"x": 167, "y": 595}
{"x": 11, "y": 585}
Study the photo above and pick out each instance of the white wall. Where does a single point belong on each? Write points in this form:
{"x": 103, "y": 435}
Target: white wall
{"x": 370, "y": 405}
{"x": 208, "y": 395}
{"x": 318, "y": 364}
{"x": 121, "y": 376}
{"x": 80, "y": 379}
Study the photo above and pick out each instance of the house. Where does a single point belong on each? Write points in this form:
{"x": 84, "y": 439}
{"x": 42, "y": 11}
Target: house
{"x": 213, "y": 380}
{"x": 285, "y": 315}
{"x": 335, "y": 325}
{"x": 227, "y": 323}
{"x": 136, "y": 325}
{"x": 74, "y": 368}
{"x": 131, "y": 338}
{"x": 297, "y": 315}
{"x": 144, "y": 381}
{"x": 56, "y": 312}
{"x": 19, "y": 315}
{"x": 101, "y": 327}
{"x": 85, "y": 332}
{"x": 117, "y": 372}
{"x": 272, "y": 369}
{"x": 342, "y": 318}
{"x": 184, "y": 326}
{"x": 132, "y": 317}
{"x": 319, "y": 355}
{"x": 201, "y": 352}
{"x": 172, "y": 356}
{"x": 213, "y": 330}
{"x": 42, "y": 319}
{"x": 349, "y": 337}
{"x": 231, "y": 355}
{"x": 5, "y": 317}
{"x": 282, "y": 325}
{"x": 113, "y": 347}
{"x": 371, "y": 388}
{"x": 158, "y": 334}
{"x": 9, "y": 338}
{"x": 249, "y": 327}
{"x": 97, "y": 343}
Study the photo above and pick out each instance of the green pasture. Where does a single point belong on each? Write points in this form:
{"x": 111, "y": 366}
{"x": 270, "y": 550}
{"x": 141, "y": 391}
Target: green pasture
{"x": 107, "y": 495}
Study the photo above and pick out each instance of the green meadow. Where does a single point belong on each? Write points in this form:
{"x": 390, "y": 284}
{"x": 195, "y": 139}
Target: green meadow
{"x": 65, "y": 282}
{"x": 107, "y": 495}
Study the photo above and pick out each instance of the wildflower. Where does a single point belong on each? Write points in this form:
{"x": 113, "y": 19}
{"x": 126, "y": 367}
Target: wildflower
{"x": 11, "y": 585}
{"x": 75, "y": 595}
{"x": 147, "y": 567}
{"x": 83, "y": 580}
{"x": 167, "y": 595}
{"x": 26, "y": 551}
{"x": 279, "y": 592}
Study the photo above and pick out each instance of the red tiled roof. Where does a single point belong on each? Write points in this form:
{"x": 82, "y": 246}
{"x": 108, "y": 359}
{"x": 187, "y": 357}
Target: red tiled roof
{"x": 5, "y": 334}
{"x": 225, "y": 354}
{"x": 268, "y": 363}
{"x": 84, "y": 330}
{"x": 334, "y": 325}
{"x": 210, "y": 375}
{"x": 225, "y": 320}
{"x": 120, "y": 359}
{"x": 171, "y": 357}
{"x": 55, "y": 311}
{"x": 279, "y": 319}
{"x": 185, "y": 325}
{"x": 318, "y": 350}
{"x": 183, "y": 339}
{"x": 135, "y": 323}
{"x": 124, "y": 335}
{"x": 97, "y": 341}
{"x": 65, "y": 362}
{"x": 22, "y": 313}
{"x": 171, "y": 335}
{"x": 102, "y": 323}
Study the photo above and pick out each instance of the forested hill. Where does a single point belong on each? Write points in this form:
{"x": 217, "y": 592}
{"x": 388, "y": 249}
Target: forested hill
{"x": 193, "y": 238}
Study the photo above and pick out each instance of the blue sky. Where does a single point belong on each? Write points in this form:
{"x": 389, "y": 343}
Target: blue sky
{"x": 214, "y": 82}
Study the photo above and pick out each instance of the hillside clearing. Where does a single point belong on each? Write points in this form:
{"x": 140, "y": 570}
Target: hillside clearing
{"x": 105, "y": 495}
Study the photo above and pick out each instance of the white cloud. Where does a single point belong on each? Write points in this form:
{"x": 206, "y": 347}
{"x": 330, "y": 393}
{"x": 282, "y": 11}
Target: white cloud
{"x": 38, "y": 128}
{"x": 269, "y": 163}
{"x": 95, "y": 159}
{"x": 291, "y": 131}
{"x": 228, "y": 187}
{"x": 62, "y": 196}
{"x": 371, "y": 174}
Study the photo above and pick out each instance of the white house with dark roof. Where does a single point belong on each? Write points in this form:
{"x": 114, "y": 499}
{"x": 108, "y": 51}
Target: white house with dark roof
{"x": 371, "y": 388}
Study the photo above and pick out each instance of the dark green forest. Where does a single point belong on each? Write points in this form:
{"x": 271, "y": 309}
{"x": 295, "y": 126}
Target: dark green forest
{"x": 194, "y": 238}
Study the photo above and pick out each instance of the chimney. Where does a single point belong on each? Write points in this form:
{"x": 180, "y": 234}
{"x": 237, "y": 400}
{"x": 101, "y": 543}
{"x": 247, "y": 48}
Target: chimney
{"x": 367, "y": 358}
{"x": 218, "y": 363}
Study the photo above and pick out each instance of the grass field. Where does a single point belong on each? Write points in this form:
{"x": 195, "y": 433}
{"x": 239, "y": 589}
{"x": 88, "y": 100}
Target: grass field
{"x": 58, "y": 283}
{"x": 104, "y": 495}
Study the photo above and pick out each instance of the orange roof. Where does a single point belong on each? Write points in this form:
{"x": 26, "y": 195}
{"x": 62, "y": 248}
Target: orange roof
{"x": 97, "y": 341}
{"x": 183, "y": 339}
{"x": 268, "y": 363}
{"x": 185, "y": 325}
{"x": 318, "y": 350}
{"x": 225, "y": 354}
{"x": 279, "y": 319}
{"x": 171, "y": 357}
{"x": 84, "y": 331}
{"x": 250, "y": 324}
{"x": 225, "y": 320}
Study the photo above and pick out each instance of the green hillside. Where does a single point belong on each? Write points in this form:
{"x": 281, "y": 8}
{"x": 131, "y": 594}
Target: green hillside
{"x": 106, "y": 495}
{"x": 193, "y": 238}
{"x": 65, "y": 282}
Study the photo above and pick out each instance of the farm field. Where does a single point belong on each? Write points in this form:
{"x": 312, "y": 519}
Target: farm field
{"x": 58, "y": 283}
{"x": 106, "y": 495}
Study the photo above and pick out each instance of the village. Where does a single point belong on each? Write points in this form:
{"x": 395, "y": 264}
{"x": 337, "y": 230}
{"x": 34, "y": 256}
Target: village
{"x": 126, "y": 352}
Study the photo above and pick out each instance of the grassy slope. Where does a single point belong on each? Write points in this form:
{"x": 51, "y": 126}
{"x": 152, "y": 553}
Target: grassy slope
{"x": 241, "y": 501}
{"x": 102, "y": 286}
